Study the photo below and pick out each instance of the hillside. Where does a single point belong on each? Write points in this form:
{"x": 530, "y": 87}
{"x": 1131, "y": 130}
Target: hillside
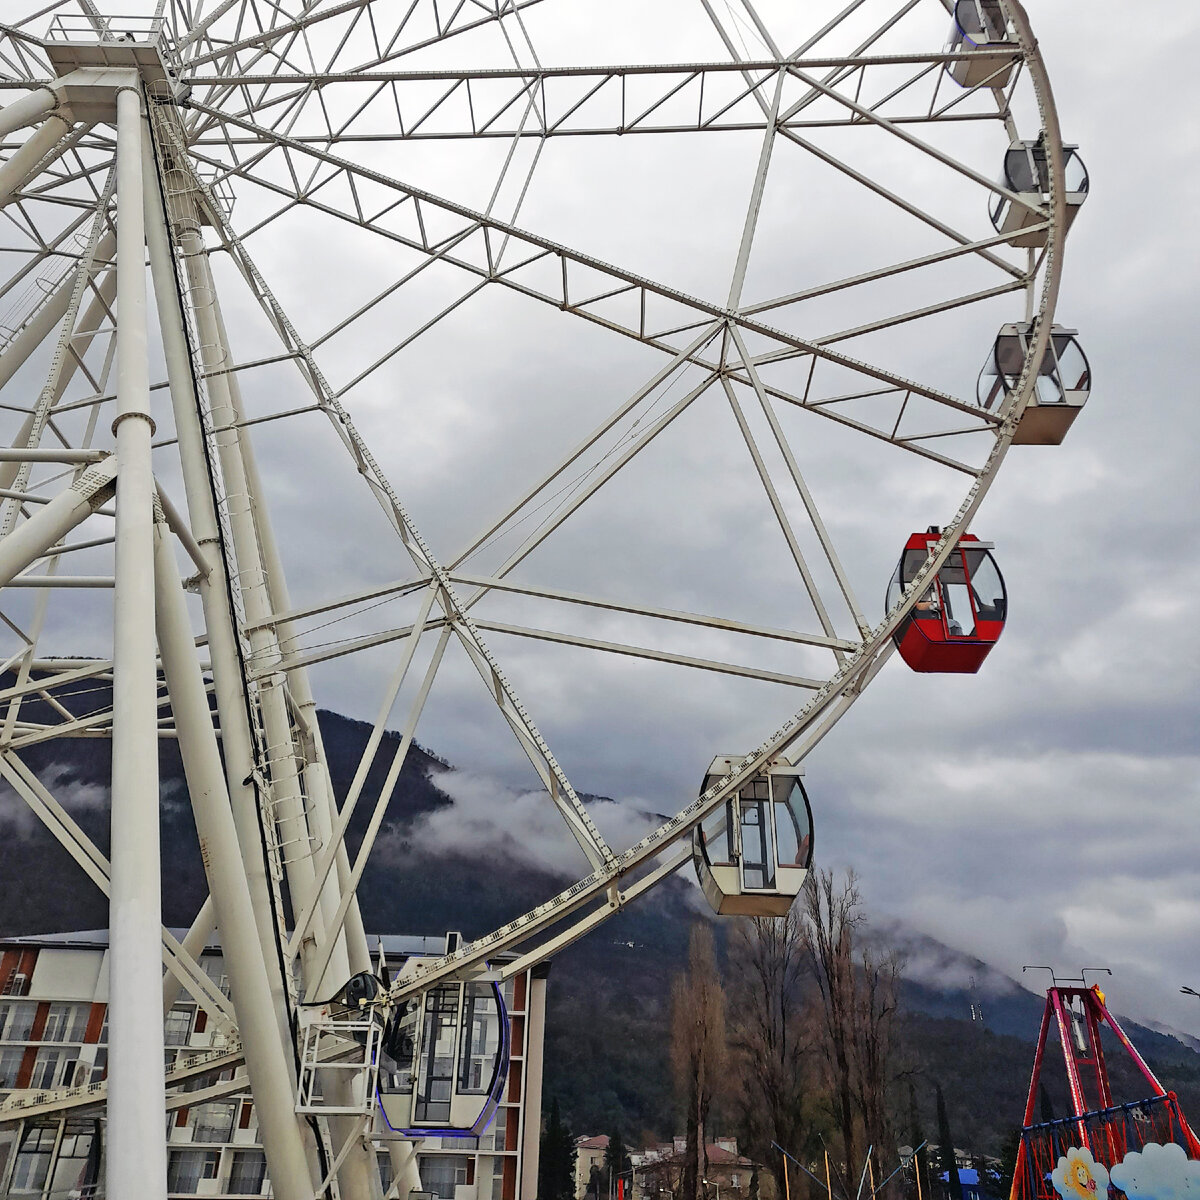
{"x": 606, "y": 1036}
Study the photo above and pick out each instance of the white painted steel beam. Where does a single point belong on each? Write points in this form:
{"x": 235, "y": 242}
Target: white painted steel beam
{"x": 32, "y": 538}
{"x": 199, "y": 485}
{"x": 16, "y": 170}
{"x": 27, "y": 110}
{"x": 136, "y": 1160}
{"x": 266, "y": 1056}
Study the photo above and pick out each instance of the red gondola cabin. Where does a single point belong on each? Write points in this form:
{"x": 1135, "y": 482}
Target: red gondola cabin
{"x": 955, "y": 624}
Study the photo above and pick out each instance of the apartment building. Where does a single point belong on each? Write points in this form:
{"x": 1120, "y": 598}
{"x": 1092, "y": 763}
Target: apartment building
{"x": 54, "y": 1038}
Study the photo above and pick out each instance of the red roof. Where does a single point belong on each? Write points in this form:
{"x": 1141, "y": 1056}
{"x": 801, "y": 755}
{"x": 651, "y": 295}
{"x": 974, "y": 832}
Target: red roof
{"x": 718, "y": 1154}
{"x": 592, "y": 1143}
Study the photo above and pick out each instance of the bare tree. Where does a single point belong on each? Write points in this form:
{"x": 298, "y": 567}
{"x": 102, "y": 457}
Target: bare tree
{"x": 858, "y": 987}
{"x": 698, "y": 1051}
{"x": 831, "y": 917}
{"x": 875, "y": 1012}
{"x": 771, "y": 1035}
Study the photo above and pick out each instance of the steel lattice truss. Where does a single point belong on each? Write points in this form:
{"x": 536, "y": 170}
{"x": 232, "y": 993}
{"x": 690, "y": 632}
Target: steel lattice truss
{"x": 464, "y": 208}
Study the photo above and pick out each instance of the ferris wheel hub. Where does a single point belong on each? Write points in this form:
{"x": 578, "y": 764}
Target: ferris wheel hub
{"x": 112, "y": 44}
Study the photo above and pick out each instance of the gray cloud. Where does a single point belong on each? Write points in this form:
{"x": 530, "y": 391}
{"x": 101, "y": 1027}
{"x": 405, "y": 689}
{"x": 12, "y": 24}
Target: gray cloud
{"x": 1043, "y": 811}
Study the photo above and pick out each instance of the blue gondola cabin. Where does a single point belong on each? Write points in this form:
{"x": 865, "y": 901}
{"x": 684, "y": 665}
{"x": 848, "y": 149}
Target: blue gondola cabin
{"x": 981, "y": 30}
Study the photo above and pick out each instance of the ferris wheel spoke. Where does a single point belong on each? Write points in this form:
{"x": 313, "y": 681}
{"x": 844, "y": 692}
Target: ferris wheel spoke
{"x": 467, "y": 106}
{"x": 873, "y": 276}
{"x": 828, "y": 410}
{"x": 893, "y": 197}
{"x": 698, "y": 620}
{"x": 917, "y": 314}
{"x": 802, "y": 489}
{"x": 405, "y": 34}
{"x": 575, "y": 267}
{"x": 875, "y": 118}
{"x": 49, "y": 810}
{"x": 456, "y": 614}
{"x": 591, "y": 480}
{"x": 780, "y": 513}
{"x": 22, "y": 56}
{"x": 650, "y": 654}
{"x": 788, "y": 122}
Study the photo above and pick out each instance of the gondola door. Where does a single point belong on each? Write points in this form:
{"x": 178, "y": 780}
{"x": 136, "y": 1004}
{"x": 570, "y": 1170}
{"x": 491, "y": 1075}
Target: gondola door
{"x": 756, "y": 827}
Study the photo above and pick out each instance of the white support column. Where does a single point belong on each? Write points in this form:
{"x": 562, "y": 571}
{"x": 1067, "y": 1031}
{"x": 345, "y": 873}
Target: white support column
{"x": 531, "y": 1110}
{"x": 136, "y": 1145}
{"x": 197, "y": 937}
{"x": 218, "y": 620}
{"x": 358, "y": 1177}
{"x": 52, "y": 311}
{"x": 273, "y": 594}
{"x": 17, "y": 169}
{"x": 30, "y": 108}
{"x": 266, "y": 1055}
{"x": 35, "y": 536}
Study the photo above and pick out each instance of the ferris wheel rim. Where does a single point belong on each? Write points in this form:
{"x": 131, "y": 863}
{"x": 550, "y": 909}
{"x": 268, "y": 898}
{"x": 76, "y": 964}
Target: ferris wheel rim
{"x": 836, "y": 695}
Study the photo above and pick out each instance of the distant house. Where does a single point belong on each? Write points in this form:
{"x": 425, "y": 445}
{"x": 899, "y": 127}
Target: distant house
{"x": 657, "y": 1170}
{"x": 969, "y": 1178}
{"x": 589, "y": 1153}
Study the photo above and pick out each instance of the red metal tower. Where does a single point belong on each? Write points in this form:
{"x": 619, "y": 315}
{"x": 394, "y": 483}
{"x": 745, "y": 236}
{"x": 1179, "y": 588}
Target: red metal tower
{"x": 1109, "y": 1131}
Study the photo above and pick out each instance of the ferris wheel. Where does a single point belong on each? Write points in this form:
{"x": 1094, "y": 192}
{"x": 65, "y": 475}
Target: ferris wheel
{"x": 503, "y": 371}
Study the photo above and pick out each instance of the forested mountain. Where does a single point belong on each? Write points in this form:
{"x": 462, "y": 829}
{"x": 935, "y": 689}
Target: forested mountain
{"x": 607, "y": 1057}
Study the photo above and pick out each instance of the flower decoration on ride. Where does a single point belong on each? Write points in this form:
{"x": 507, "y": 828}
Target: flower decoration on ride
{"x": 1079, "y": 1176}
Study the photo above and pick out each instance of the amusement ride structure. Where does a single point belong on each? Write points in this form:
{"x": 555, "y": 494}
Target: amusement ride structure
{"x": 229, "y": 222}
{"x": 1073, "y": 1157}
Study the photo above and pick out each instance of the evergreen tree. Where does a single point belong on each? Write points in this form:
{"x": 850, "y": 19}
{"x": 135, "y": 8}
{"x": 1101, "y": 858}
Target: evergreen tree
{"x": 1046, "y": 1107}
{"x": 616, "y": 1162}
{"x": 556, "y": 1164}
{"x": 1008, "y": 1161}
{"x": 920, "y": 1163}
{"x": 754, "y": 1194}
{"x": 947, "y": 1163}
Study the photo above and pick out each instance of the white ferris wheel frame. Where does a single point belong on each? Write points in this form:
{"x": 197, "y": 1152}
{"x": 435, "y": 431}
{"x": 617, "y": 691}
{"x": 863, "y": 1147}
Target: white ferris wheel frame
{"x": 274, "y": 789}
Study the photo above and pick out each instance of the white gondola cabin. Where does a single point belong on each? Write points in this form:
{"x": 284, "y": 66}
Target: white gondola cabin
{"x": 1027, "y": 173}
{"x": 753, "y": 858}
{"x": 1064, "y": 382}
{"x": 980, "y": 28}
{"x": 444, "y": 1061}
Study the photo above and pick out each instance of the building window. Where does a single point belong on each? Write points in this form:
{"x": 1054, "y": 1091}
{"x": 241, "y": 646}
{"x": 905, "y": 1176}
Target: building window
{"x": 442, "y": 1173}
{"x": 248, "y": 1173}
{"x": 17, "y": 984}
{"x": 65, "y": 1023}
{"x": 735, "y": 1180}
{"x": 53, "y": 1068}
{"x": 499, "y": 1129}
{"x": 178, "y": 1026}
{"x": 77, "y": 1162}
{"x": 32, "y": 1166}
{"x": 186, "y": 1168}
{"x": 100, "y": 1064}
{"x": 16, "y": 1020}
{"x": 385, "y": 1171}
{"x": 213, "y": 1122}
{"x": 10, "y": 1064}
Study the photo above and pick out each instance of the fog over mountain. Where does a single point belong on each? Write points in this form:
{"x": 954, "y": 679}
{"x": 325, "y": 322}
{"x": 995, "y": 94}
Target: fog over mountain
{"x": 443, "y": 865}
{"x": 1043, "y": 812}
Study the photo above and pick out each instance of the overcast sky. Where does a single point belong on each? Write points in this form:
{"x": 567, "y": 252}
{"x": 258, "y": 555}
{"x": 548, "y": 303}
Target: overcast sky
{"x": 1044, "y": 811}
